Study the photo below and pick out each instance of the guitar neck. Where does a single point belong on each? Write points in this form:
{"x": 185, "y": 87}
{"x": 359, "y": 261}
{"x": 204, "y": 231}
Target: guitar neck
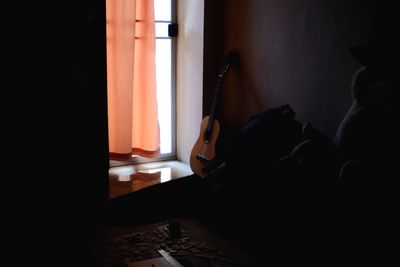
{"x": 213, "y": 110}
{"x": 231, "y": 58}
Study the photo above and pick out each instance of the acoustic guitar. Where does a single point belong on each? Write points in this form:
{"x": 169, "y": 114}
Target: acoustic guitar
{"x": 204, "y": 148}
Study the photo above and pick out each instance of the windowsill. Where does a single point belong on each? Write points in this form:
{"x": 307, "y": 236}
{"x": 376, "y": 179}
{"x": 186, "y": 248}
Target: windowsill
{"x": 130, "y": 178}
{"x": 138, "y": 160}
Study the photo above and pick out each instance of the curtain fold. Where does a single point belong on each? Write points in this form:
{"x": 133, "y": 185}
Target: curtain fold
{"x": 131, "y": 81}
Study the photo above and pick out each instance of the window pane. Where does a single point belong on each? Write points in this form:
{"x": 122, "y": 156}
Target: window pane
{"x": 162, "y": 29}
{"x": 163, "y": 76}
{"x": 162, "y": 10}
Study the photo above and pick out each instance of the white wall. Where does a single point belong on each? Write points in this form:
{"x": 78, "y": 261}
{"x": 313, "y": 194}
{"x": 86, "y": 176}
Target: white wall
{"x": 189, "y": 75}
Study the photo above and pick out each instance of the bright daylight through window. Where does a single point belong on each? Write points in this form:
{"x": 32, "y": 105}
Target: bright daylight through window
{"x": 165, "y": 75}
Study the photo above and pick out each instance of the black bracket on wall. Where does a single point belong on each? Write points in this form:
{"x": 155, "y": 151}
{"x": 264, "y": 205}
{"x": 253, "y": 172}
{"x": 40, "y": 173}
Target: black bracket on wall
{"x": 172, "y": 30}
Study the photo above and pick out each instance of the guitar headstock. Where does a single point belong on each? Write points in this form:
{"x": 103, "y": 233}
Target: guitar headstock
{"x": 231, "y": 58}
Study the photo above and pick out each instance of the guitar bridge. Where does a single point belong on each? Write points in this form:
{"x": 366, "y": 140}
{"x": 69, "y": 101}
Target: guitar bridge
{"x": 202, "y": 158}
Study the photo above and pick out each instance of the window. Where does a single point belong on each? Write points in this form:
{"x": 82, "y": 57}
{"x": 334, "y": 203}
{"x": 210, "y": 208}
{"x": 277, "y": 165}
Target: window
{"x": 165, "y": 75}
{"x": 165, "y": 14}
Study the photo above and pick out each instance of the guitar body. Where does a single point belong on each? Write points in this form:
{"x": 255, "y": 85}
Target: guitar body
{"x": 204, "y": 150}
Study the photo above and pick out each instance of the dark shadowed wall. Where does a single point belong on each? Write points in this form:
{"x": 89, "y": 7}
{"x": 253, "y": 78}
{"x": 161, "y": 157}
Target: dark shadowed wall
{"x": 291, "y": 52}
{"x": 59, "y": 139}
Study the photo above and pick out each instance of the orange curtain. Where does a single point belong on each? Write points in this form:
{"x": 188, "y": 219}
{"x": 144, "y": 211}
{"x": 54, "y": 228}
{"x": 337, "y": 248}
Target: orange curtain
{"x": 131, "y": 81}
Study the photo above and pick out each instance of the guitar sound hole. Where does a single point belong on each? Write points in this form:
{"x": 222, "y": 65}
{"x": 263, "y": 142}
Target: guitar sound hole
{"x": 207, "y": 136}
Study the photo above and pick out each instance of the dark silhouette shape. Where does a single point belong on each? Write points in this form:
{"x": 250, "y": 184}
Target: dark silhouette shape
{"x": 367, "y": 132}
{"x": 366, "y": 142}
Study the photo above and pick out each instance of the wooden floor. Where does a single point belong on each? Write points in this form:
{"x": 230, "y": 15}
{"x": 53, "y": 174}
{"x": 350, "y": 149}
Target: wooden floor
{"x": 130, "y": 178}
